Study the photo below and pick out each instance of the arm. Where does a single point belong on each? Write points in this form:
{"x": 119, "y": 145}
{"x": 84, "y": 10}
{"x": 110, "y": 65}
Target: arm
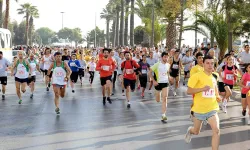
{"x": 98, "y": 66}
{"x": 50, "y": 68}
{"x": 38, "y": 68}
{"x": 67, "y": 69}
{"x": 220, "y": 71}
{"x": 28, "y": 66}
{"x": 192, "y": 91}
{"x": 13, "y": 67}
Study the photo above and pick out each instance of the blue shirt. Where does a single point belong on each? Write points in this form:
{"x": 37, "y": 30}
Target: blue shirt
{"x": 74, "y": 65}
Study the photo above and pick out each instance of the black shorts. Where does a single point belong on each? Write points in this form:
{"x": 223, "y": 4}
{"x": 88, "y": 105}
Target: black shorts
{"x": 161, "y": 86}
{"x": 230, "y": 86}
{"x": 243, "y": 95}
{"x": 186, "y": 73}
{"x": 3, "y": 80}
{"x": 105, "y": 79}
{"x": 46, "y": 71}
{"x": 31, "y": 79}
{"x": 128, "y": 82}
{"x": 81, "y": 72}
{"x": 21, "y": 80}
{"x": 74, "y": 77}
{"x": 42, "y": 70}
{"x": 143, "y": 81}
{"x": 174, "y": 73}
{"x": 221, "y": 87}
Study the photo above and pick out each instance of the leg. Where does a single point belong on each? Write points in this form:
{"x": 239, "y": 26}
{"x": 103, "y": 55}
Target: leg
{"x": 23, "y": 87}
{"x": 109, "y": 87}
{"x": 62, "y": 92}
{"x": 215, "y": 125}
{"x": 228, "y": 93}
{"x": 164, "y": 95}
{"x": 177, "y": 80}
{"x": 197, "y": 126}
{"x": 128, "y": 93}
{"x": 32, "y": 87}
{"x": 244, "y": 103}
{"x": 114, "y": 78}
{"x": 157, "y": 96}
{"x": 18, "y": 90}
{"x": 3, "y": 89}
{"x": 57, "y": 93}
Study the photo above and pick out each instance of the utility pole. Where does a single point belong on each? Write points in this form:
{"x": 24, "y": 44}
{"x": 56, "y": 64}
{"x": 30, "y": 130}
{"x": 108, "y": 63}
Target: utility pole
{"x": 62, "y": 18}
{"x": 95, "y": 30}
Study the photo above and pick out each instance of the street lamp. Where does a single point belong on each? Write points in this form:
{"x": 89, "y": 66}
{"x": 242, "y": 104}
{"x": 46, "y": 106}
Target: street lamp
{"x": 62, "y": 18}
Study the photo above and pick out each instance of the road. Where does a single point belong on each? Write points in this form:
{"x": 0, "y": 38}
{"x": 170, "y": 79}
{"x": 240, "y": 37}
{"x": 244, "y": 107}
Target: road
{"x": 84, "y": 123}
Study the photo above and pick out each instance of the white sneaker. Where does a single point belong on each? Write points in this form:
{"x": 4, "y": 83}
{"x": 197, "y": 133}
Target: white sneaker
{"x": 188, "y": 135}
{"x": 205, "y": 122}
{"x": 248, "y": 121}
{"x": 174, "y": 93}
{"x": 224, "y": 106}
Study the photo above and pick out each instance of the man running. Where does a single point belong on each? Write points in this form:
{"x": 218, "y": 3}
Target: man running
{"x": 60, "y": 76}
{"x": 47, "y": 61}
{"x": 23, "y": 71}
{"x": 187, "y": 60}
{"x": 4, "y": 63}
{"x": 143, "y": 71}
{"x": 120, "y": 73}
{"x": 204, "y": 87}
{"x": 106, "y": 67}
{"x": 74, "y": 65}
{"x": 161, "y": 82}
{"x": 129, "y": 77}
{"x": 151, "y": 61}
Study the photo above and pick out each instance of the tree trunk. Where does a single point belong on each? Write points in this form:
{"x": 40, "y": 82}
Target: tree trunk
{"x": 211, "y": 40}
{"x": 132, "y": 22}
{"x": 126, "y": 24}
{"x": 181, "y": 24}
{"x": 230, "y": 34}
{"x": 1, "y": 13}
{"x": 7, "y": 11}
{"x": 30, "y": 30}
{"x": 107, "y": 33}
{"x": 171, "y": 34}
{"x": 27, "y": 29}
{"x": 153, "y": 26}
{"x": 117, "y": 26}
{"x": 122, "y": 24}
{"x": 113, "y": 33}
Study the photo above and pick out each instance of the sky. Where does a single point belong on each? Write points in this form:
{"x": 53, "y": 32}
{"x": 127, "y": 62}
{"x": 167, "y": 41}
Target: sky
{"x": 78, "y": 13}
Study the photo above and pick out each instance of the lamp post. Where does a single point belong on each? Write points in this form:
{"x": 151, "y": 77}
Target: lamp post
{"x": 62, "y": 18}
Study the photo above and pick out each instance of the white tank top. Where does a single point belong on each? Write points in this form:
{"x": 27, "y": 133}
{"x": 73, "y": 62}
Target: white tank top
{"x": 47, "y": 62}
{"x": 92, "y": 66}
{"x": 33, "y": 67}
{"x": 58, "y": 76}
{"x": 21, "y": 71}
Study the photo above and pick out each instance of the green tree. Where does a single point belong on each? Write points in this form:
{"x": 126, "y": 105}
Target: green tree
{"x": 45, "y": 33}
{"x": 132, "y": 22}
{"x": 19, "y": 30}
{"x": 90, "y": 38}
{"x": 122, "y": 24}
{"x": 26, "y": 9}
{"x": 7, "y": 14}
{"x": 33, "y": 14}
{"x": 65, "y": 33}
{"x": 126, "y": 22}
{"x": 138, "y": 35}
{"x": 107, "y": 15}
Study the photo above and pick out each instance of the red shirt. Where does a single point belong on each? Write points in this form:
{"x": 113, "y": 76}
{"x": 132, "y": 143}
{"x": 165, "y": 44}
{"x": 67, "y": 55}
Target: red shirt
{"x": 128, "y": 69}
{"x": 106, "y": 67}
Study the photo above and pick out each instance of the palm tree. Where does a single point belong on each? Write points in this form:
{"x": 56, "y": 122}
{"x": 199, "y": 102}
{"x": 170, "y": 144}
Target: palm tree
{"x": 33, "y": 14}
{"x": 122, "y": 24}
{"x": 1, "y": 13}
{"x": 26, "y": 9}
{"x": 126, "y": 23}
{"x": 7, "y": 13}
{"x": 106, "y": 14}
{"x": 132, "y": 22}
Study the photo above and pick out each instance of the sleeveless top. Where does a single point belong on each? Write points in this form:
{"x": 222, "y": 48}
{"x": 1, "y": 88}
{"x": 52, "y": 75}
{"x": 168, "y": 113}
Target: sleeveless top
{"x": 22, "y": 70}
{"x": 59, "y": 74}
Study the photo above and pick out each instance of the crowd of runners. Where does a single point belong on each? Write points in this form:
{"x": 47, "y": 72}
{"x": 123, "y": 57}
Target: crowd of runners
{"x": 208, "y": 79}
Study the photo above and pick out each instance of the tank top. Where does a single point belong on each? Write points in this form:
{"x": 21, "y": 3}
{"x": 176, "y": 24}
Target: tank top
{"x": 229, "y": 76}
{"x": 47, "y": 62}
{"x": 33, "y": 64}
{"x": 175, "y": 65}
{"x": 59, "y": 74}
{"x": 21, "y": 70}
{"x": 246, "y": 82}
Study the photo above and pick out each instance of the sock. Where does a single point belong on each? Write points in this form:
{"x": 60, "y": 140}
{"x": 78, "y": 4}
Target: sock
{"x": 164, "y": 115}
{"x": 128, "y": 102}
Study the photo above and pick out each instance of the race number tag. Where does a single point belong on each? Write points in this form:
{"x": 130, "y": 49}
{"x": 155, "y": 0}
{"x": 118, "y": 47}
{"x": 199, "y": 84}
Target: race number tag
{"x": 72, "y": 64}
{"x": 144, "y": 71}
{"x": 21, "y": 72}
{"x": 209, "y": 94}
{"x": 59, "y": 74}
{"x": 129, "y": 71}
{"x": 229, "y": 76}
{"x": 175, "y": 66}
{"x": 47, "y": 63}
{"x": 248, "y": 83}
{"x": 106, "y": 68}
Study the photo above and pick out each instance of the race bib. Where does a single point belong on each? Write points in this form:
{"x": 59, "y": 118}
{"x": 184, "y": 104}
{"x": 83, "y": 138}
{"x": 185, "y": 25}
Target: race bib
{"x": 47, "y": 63}
{"x": 106, "y": 68}
{"x": 72, "y": 64}
{"x": 92, "y": 68}
{"x": 144, "y": 71}
{"x": 175, "y": 66}
{"x": 229, "y": 76}
{"x": 129, "y": 71}
{"x": 209, "y": 94}
{"x": 21, "y": 72}
{"x": 248, "y": 83}
{"x": 59, "y": 74}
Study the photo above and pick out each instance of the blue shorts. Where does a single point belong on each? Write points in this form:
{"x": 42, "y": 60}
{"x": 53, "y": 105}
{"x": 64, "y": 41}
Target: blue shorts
{"x": 206, "y": 116}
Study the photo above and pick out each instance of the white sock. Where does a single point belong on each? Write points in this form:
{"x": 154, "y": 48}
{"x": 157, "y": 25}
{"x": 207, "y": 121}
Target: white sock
{"x": 128, "y": 102}
{"x": 164, "y": 115}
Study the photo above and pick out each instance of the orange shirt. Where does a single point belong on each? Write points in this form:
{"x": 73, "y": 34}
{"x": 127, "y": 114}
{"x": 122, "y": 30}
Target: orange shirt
{"x": 106, "y": 67}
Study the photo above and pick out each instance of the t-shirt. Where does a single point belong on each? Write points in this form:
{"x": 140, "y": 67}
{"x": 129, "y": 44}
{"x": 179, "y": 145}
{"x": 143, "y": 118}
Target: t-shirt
{"x": 74, "y": 65}
{"x": 196, "y": 69}
{"x": 245, "y": 57}
{"x": 4, "y": 63}
{"x": 152, "y": 61}
{"x": 128, "y": 68}
{"x": 64, "y": 57}
{"x": 161, "y": 71}
{"x": 144, "y": 68}
{"x": 246, "y": 82}
{"x": 204, "y": 102}
{"x": 187, "y": 60}
{"x": 106, "y": 67}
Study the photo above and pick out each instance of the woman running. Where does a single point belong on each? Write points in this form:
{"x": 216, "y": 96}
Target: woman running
{"x": 91, "y": 69}
{"x": 143, "y": 71}
{"x": 82, "y": 67}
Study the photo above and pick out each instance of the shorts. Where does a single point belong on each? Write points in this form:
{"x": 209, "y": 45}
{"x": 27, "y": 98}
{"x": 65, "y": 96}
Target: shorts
{"x": 42, "y": 70}
{"x": 59, "y": 86}
{"x": 143, "y": 81}
{"x": 105, "y": 79}
{"x": 243, "y": 95}
{"x": 128, "y": 82}
{"x": 81, "y": 72}
{"x": 31, "y": 79}
{"x": 230, "y": 86}
{"x": 21, "y": 80}
{"x": 174, "y": 73}
{"x": 46, "y": 71}
{"x": 186, "y": 72}
{"x": 3, "y": 80}
{"x": 74, "y": 77}
{"x": 161, "y": 86}
{"x": 221, "y": 87}
{"x": 206, "y": 116}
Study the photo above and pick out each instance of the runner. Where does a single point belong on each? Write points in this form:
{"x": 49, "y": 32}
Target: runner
{"x": 137, "y": 58}
{"x": 129, "y": 76}
{"x": 115, "y": 58}
{"x": 203, "y": 86}
{"x": 60, "y": 76}
{"x": 91, "y": 69}
{"x": 23, "y": 71}
{"x": 143, "y": 71}
{"x": 82, "y": 67}
{"x": 47, "y": 61}
{"x": 161, "y": 81}
{"x": 4, "y": 64}
{"x": 74, "y": 65}
{"x": 120, "y": 73}
{"x": 175, "y": 69}
{"x": 32, "y": 79}
{"x": 106, "y": 67}
{"x": 41, "y": 65}
{"x": 151, "y": 61}
{"x": 187, "y": 61}
{"x": 245, "y": 91}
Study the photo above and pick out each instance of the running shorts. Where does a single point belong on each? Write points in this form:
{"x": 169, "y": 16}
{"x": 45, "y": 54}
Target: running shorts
{"x": 105, "y": 79}
{"x": 74, "y": 77}
{"x": 31, "y": 79}
{"x": 46, "y": 72}
{"x": 161, "y": 86}
{"x": 3, "y": 80}
{"x": 143, "y": 81}
{"x": 128, "y": 82}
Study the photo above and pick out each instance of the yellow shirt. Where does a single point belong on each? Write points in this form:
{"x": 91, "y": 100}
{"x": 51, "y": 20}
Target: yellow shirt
{"x": 204, "y": 102}
{"x": 78, "y": 56}
{"x": 196, "y": 69}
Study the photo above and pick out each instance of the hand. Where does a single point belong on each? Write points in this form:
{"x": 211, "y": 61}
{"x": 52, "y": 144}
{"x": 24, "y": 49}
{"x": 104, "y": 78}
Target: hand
{"x": 140, "y": 73}
{"x": 205, "y": 88}
{"x": 11, "y": 74}
{"x": 66, "y": 79}
{"x": 47, "y": 78}
{"x": 155, "y": 83}
{"x": 218, "y": 98}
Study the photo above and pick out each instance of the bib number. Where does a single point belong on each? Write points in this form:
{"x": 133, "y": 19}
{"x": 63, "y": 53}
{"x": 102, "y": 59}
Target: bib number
{"x": 229, "y": 76}
{"x": 209, "y": 94}
{"x": 106, "y": 68}
{"x": 21, "y": 72}
{"x": 129, "y": 71}
{"x": 248, "y": 83}
{"x": 72, "y": 64}
{"x": 59, "y": 74}
{"x": 144, "y": 71}
{"x": 175, "y": 66}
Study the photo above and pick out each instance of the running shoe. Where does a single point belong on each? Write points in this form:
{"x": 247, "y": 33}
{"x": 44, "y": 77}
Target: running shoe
{"x": 47, "y": 88}
{"x": 205, "y": 122}
{"x": 3, "y": 97}
{"x": 164, "y": 118}
{"x": 57, "y": 110}
{"x": 174, "y": 93}
{"x": 20, "y": 102}
{"x": 188, "y": 135}
{"x": 142, "y": 95}
{"x": 244, "y": 112}
{"x": 109, "y": 100}
{"x": 73, "y": 91}
{"x": 31, "y": 96}
{"x": 128, "y": 106}
{"x": 104, "y": 101}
